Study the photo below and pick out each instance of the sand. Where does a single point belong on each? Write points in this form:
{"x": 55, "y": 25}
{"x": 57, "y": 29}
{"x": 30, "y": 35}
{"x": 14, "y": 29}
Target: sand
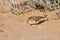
{"x": 14, "y": 27}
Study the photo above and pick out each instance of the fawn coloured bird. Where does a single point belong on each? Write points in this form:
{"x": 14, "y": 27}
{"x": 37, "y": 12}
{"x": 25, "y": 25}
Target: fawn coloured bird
{"x": 33, "y": 20}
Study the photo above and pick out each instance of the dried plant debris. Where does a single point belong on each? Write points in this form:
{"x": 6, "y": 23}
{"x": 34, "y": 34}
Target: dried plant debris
{"x": 48, "y": 4}
{"x": 58, "y": 14}
{"x": 53, "y": 16}
{"x": 33, "y": 20}
{"x": 18, "y": 7}
{"x": 36, "y": 5}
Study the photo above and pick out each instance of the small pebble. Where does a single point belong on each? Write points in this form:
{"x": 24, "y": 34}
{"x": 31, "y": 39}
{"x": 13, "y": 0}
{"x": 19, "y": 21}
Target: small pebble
{"x": 1, "y": 31}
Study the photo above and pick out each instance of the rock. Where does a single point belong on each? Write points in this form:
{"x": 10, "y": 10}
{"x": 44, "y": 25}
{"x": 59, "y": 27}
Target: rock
{"x": 58, "y": 14}
{"x": 1, "y": 30}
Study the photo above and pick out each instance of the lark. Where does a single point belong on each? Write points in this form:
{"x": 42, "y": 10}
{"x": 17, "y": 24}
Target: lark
{"x": 33, "y": 20}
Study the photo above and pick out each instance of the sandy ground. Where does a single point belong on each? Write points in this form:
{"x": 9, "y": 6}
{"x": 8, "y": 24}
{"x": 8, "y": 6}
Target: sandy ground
{"x": 14, "y": 27}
